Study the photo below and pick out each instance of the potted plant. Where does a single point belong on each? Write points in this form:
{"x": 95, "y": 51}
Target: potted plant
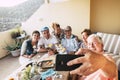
{"x": 23, "y": 33}
{"x": 15, "y": 34}
{"x": 14, "y": 48}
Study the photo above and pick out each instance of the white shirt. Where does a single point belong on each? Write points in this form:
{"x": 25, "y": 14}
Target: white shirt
{"x": 46, "y": 42}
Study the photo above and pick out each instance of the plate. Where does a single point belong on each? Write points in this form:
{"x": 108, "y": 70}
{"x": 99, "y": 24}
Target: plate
{"x": 47, "y": 64}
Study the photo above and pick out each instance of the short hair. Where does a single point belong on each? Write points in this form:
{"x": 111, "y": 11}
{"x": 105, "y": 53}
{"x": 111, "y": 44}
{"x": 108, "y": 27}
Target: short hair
{"x": 36, "y": 32}
{"x": 99, "y": 39}
{"x": 68, "y": 28}
{"x": 88, "y": 31}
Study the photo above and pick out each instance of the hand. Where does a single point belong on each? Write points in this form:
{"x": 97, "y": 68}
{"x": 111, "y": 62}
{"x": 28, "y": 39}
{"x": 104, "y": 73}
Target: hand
{"x": 29, "y": 56}
{"x": 26, "y": 56}
{"x": 92, "y": 61}
{"x": 51, "y": 52}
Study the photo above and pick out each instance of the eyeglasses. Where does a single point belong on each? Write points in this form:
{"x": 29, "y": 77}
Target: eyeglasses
{"x": 67, "y": 30}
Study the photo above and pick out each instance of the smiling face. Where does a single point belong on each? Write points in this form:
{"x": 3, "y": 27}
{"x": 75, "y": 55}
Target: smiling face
{"x": 68, "y": 33}
{"x": 46, "y": 34}
{"x": 84, "y": 37}
{"x": 95, "y": 43}
{"x": 57, "y": 30}
{"x": 35, "y": 36}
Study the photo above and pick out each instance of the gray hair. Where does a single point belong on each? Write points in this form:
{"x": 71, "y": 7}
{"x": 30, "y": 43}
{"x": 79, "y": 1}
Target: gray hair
{"x": 99, "y": 39}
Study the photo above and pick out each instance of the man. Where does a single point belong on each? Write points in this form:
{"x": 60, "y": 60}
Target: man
{"x": 69, "y": 41}
{"x": 58, "y": 32}
{"x": 47, "y": 40}
{"x": 96, "y": 65}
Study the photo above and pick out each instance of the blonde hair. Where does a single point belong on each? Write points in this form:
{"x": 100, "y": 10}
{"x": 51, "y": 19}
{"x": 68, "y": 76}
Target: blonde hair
{"x": 55, "y": 25}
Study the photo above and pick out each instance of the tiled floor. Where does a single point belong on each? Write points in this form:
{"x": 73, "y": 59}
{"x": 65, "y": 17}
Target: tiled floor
{"x": 7, "y": 65}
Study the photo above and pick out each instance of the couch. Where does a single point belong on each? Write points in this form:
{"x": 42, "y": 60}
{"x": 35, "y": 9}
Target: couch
{"x": 111, "y": 46}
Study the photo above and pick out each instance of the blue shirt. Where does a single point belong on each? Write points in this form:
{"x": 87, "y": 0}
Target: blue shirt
{"x": 70, "y": 44}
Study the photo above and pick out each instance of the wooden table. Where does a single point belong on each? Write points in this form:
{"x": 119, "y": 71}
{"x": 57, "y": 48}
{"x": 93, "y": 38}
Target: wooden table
{"x": 15, "y": 74}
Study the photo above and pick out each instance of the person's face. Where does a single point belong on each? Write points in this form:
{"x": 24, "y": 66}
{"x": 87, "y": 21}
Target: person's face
{"x": 46, "y": 34}
{"x": 57, "y": 30}
{"x": 95, "y": 45}
{"x": 68, "y": 33}
{"x": 84, "y": 37}
{"x": 35, "y": 37}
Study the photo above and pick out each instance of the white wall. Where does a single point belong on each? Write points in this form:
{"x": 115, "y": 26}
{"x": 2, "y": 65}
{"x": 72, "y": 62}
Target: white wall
{"x": 75, "y": 13}
{"x": 105, "y": 16}
{"x": 5, "y": 38}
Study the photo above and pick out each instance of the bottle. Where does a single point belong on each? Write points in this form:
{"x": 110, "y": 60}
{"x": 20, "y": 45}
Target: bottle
{"x": 33, "y": 69}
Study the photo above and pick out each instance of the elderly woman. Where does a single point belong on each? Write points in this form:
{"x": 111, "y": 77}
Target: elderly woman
{"x": 29, "y": 47}
{"x": 96, "y": 65}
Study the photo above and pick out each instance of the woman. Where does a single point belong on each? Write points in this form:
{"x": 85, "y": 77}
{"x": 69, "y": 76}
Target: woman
{"x": 85, "y": 33}
{"x": 96, "y": 65}
{"x": 29, "y": 47}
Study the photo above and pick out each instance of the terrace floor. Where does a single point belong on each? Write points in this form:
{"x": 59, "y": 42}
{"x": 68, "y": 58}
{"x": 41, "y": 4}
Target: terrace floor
{"x": 7, "y": 65}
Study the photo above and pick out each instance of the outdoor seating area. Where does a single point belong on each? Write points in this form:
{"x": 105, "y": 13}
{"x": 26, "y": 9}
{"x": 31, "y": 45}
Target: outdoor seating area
{"x": 60, "y": 40}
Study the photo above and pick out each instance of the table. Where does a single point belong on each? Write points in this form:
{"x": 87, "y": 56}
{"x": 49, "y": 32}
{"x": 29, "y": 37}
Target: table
{"x": 15, "y": 74}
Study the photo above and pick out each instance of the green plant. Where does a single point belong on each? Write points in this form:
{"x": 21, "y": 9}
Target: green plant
{"x": 14, "y": 46}
{"x": 15, "y": 34}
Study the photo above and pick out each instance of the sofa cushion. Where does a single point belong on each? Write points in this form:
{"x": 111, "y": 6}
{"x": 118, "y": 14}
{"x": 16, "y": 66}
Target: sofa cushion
{"x": 111, "y": 42}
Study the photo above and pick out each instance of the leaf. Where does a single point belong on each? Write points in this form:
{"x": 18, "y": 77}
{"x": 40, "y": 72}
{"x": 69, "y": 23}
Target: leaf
{"x": 11, "y": 47}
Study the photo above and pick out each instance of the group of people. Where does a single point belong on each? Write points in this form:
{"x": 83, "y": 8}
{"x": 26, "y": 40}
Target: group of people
{"x": 96, "y": 64}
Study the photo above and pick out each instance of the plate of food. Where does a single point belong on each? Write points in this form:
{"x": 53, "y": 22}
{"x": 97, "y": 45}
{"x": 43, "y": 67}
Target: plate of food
{"x": 47, "y": 64}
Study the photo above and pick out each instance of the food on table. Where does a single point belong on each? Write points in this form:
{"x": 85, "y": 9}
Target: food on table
{"x": 47, "y": 64}
{"x": 11, "y": 79}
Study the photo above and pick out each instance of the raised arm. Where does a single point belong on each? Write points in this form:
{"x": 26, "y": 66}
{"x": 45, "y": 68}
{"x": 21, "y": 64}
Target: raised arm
{"x": 92, "y": 62}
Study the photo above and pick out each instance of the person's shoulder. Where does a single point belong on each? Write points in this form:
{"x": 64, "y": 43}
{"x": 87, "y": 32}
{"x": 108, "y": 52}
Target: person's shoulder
{"x": 52, "y": 33}
{"x": 62, "y": 30}
{"x": 27, "y": 40}
{"x": 76, "y": 37}
{"x": 63, "y": 37}
{"x": 42, "y": 38}
{"x": 73, "y": 36}
{"x": 52, "y": 36}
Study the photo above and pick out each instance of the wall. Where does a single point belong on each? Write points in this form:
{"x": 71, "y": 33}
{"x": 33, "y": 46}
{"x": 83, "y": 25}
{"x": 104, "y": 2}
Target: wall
{"x": 105, "y": 16}
{"x": 75, "y": 13}
{"x": 5, "y": 38}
